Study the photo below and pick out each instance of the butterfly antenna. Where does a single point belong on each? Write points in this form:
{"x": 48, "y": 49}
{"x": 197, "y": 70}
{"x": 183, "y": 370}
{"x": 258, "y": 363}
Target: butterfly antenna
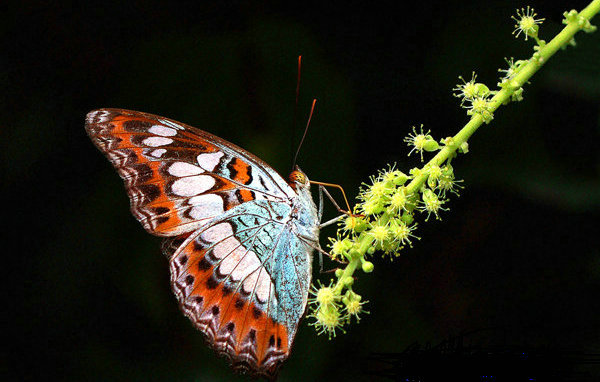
{"x": 296, "y": 108}
{"x": 312, "y": 110}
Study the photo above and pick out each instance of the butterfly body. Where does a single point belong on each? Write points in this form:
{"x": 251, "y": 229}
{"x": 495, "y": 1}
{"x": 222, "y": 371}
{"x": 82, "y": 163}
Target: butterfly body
{"x": 238, "y": 236}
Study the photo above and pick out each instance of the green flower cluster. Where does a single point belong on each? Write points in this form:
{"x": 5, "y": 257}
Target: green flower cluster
{"x": 384, "y": 219}
{"x": 332, "y": 309}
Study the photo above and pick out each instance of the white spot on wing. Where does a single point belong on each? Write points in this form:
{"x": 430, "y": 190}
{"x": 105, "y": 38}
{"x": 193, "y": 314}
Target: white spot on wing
{"x": 158, "y": 153}
{"x": 205, "y": 206}
{"x": 258, "y": 282}
{"x": 163, "y": 131}
{"x": 209, "y": 161}
{"x": 249, "y": 263}
{"x": 239, "y": 262}
{"x": 192, "y": 185}
{"x": 157, "y": 141}
{"x": 250, "y": 282}
{"x": 225, "y": 247}
{"x": 263, "y": 285}
{"x": 97, "y": 116}
{"x": 180, "y": 169}
{"x": 217, "y": 232}
{"x": 233, "y": 259}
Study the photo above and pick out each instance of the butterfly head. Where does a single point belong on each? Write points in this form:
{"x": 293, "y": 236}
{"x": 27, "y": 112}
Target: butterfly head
{"x": 298, "y": 179}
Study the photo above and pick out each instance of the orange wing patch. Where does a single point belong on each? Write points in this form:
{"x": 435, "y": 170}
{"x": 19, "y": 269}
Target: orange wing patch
{"x": 240, "y": 171}
{"x": 234, "y": 326}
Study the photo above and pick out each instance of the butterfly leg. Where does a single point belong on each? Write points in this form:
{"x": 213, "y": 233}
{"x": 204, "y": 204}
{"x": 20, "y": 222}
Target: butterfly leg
{"x": 320, "y": 212}
{"x": 323, "y": 185}
{"x": 315, "y": 245}
{"x": 332, "y": 221}
{"x": 320, "y": 217}
{"x": 312, "y": 243}
{"x": 337, "y": 207}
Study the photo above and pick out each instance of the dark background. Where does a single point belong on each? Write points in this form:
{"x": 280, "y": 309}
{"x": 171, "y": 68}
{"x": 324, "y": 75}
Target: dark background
{"x": 516, "y": 260}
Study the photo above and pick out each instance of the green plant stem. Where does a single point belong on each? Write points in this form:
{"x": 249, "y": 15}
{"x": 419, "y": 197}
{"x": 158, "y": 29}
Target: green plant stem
{"x": 503, "y": 96}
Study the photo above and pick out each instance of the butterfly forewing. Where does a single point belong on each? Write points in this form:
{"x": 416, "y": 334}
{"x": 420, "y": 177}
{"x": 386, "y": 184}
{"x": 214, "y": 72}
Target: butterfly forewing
{"x": 236, "y": 231}
{"x": 178, "y": 177}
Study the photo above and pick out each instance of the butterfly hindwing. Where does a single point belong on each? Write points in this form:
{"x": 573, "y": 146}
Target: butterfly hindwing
{"x": 243, "y": 280}
{"x": 178, "y": 177}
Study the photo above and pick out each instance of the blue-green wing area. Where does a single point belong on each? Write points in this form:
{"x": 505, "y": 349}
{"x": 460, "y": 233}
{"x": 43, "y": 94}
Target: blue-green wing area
{"x": 243, "y": 280}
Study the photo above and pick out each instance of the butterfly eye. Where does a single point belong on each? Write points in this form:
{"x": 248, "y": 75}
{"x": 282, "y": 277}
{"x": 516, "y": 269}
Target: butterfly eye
{"x": 297, "y": 177}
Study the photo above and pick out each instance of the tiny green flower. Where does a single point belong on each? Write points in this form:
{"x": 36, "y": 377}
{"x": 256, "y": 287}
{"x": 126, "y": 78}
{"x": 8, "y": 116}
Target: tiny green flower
{"x": 435, "y": 172}
{"x": 466, "y": 90}
{"x": 402, "y": 232}
{"x": 448, "y": 170}
{"x": 353, "y": 305}
{"x": 379, "y": 233}
{"x": 328, "y": 319}
{"x": 527, "y": 23}
{"x": 469, "y": 90}
{"x": 338, "y": 248}
{"x": 448, "y": 184}
{"x": 431, "y": 204}
{"x": 420, "y": 141}
{"x": 325, "y": 296}
{"x": 538, "y": 58}
{"x": 481, "y": 105}
{"x": 398, "y": 200}
{"x": 347, "y": 243}
{"x": 321, "y": 295}
{"x": 379, "y": 189}
{"x": 507, "y": 81}
{"x": 513, "y": 69}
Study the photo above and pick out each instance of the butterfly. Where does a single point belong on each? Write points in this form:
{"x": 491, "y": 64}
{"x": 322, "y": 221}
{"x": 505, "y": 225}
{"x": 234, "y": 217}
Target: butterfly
{"x": 239, "y": 238}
